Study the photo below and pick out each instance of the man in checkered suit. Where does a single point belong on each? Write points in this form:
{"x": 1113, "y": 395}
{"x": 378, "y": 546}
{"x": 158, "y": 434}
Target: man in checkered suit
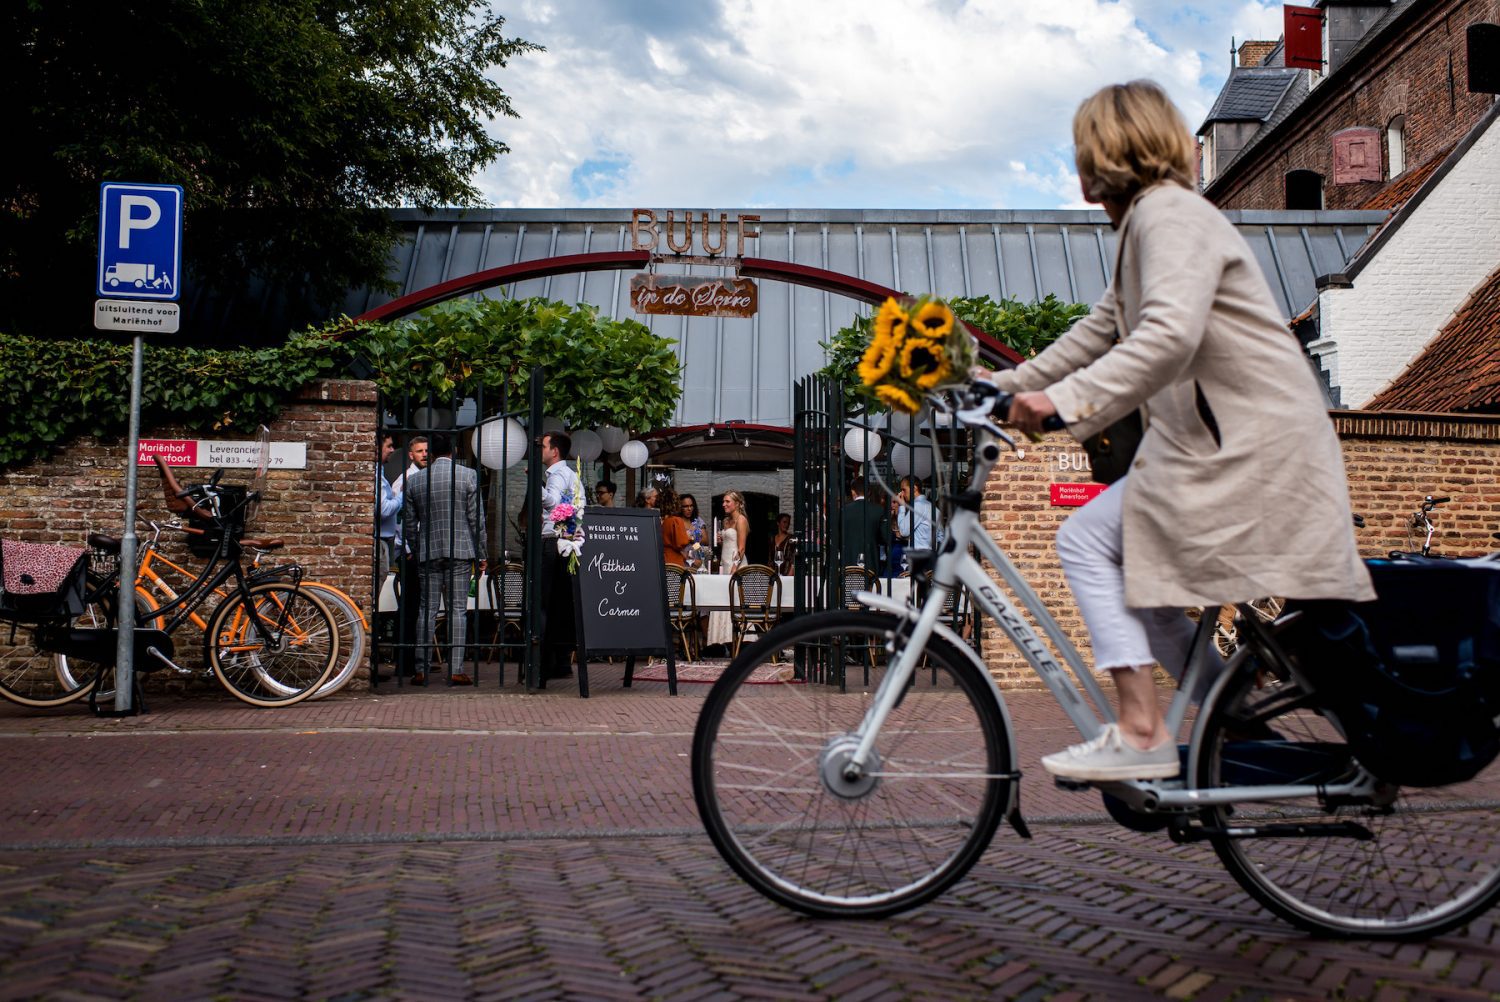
{"x": 443, "y": 524}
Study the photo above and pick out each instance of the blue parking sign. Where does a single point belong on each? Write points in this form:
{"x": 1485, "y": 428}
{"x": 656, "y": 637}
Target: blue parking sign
{"x": 140, "y": 240}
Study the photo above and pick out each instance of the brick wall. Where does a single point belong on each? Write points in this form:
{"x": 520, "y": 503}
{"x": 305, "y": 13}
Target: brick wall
{"x": 324, "y": 512}
{"x": 1420, "y": 73}
{"x": 1392, "y": 462}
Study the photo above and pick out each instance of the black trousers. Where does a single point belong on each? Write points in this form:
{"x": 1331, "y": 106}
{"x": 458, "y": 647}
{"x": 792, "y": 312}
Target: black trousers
{"x": 555, "y": 620}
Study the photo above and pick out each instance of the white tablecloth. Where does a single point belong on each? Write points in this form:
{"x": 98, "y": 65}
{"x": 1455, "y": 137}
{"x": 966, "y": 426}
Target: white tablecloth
{"x": 712, "y": 591}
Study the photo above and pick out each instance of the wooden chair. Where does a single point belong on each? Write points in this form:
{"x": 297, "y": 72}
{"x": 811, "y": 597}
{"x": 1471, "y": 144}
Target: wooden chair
{"x": 754, "y": 601}
{"x": 682, "y": 608}
{"x": 858, "y": 579}
{"x": 507, "y": 589}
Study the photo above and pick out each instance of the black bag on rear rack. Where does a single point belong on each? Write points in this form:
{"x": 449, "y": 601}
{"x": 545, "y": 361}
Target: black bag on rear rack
{"x": 1413, "y": 677}
{"x": 39, "y": 581}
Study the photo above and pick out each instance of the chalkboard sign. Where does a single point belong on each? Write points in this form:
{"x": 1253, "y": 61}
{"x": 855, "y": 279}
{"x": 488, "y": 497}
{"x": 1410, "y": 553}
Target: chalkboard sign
{"x": 622, "y": 589}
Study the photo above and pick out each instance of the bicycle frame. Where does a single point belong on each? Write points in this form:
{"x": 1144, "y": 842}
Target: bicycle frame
{"x": 956, "y": 566}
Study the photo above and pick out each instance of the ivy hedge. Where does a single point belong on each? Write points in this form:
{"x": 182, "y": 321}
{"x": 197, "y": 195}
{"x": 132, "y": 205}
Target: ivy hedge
{"x": 598, "y": 370}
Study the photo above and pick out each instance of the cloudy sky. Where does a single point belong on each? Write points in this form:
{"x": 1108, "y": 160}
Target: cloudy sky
{"x": 834, "y": 103}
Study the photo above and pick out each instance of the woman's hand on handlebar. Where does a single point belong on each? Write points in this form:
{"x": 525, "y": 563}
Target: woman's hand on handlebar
{"x": 1028, "y": 412}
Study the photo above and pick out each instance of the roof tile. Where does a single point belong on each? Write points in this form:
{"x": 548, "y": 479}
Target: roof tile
{"x": 1459, "y": 370}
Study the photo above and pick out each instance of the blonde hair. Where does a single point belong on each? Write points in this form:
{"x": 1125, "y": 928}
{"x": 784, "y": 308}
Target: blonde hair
{"x": 737, "y": 497}
{"x": 1129, "y": 136}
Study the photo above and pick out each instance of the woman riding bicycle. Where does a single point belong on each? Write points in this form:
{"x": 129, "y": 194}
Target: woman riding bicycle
{"x": 1237, "y": 490}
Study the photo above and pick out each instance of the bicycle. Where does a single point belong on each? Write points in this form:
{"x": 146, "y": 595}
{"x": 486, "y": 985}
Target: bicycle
{"x": 270, "y": 643}
{"x": 1420, "y": 527}
{"x": 152, "y": 589}
{"x": 863, "y": 786}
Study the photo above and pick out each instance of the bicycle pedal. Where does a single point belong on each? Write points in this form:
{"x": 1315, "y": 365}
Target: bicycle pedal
{"x": 158, "y": 655}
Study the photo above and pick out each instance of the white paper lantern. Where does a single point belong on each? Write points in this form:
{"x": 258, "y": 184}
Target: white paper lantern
{"x": 613, "y": 438}
{"x": 551, "y": 424}
{"x": 914, "y": 460}
{"x": 861, "y": 444}
{"x": 500, "y": 444}
{"x": 586, "y": 445}
{"x": 432, "y": 417}
{"x": 634, "y": 454}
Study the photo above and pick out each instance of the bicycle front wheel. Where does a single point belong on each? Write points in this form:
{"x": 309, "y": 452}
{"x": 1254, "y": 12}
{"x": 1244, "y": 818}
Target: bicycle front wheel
{"x": 768, "y": 777}
{"x": 74, "y": 674}
{"x": 1402, "y": 864}
{"x": 276, "y": 651}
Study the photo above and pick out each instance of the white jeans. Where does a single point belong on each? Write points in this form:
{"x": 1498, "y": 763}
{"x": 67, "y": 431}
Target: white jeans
{"x": 1091, "y": 546}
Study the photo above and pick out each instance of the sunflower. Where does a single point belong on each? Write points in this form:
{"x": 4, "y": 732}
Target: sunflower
{"x": 878, "y": 360}
{"x": 892, "y": 322}
{"x": 896, "y": 398}
{"x": 921, "y": 357}
{"x": 933, "y": 320}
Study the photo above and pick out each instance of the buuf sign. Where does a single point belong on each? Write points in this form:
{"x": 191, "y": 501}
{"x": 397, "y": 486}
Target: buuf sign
{"x": 622, "y": 587}
{"x": 712, "y": 238}
{"x": 680, "y": 296}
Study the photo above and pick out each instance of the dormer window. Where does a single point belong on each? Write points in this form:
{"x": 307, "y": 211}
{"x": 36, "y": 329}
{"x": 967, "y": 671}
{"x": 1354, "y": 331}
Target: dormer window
{"x": 1395, "y": 145}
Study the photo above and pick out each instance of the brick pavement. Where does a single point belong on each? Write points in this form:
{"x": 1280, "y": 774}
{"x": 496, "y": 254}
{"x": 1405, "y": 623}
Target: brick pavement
{"x": 459, "y": 844}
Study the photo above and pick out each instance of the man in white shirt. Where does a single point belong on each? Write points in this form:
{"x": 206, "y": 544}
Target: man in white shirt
{"x": 407, "y": 572}
{"x": 555, "y": 617}
{"x": 915, "y": 520}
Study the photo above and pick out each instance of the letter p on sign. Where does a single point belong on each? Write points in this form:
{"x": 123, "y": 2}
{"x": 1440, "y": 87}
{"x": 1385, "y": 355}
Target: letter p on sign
{"x": 130, "y": 221}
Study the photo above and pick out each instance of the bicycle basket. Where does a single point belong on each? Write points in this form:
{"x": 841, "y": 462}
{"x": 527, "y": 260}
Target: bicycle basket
{"x": 39, "y": 581}
{"x": 230, "y": 520}
{"x": 1413, "y": 677}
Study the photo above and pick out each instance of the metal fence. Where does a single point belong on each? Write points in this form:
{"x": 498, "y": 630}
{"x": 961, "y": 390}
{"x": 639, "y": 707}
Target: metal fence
{"x": 493, "y": 435}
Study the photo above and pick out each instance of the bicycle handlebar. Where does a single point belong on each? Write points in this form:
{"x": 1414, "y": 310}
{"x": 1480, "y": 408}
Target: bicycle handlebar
{"x": 996, "y": 403}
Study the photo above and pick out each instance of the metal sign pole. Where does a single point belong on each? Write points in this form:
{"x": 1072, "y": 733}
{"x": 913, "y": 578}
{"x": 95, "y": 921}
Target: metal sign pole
{"x": 125, "y": 648}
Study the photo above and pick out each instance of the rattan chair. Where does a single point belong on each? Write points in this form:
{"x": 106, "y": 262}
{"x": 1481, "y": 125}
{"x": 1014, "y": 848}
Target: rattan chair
{"x": 507, "y": 589}
{"x": 682, "y": 608}
{"x": 754, "y": 601}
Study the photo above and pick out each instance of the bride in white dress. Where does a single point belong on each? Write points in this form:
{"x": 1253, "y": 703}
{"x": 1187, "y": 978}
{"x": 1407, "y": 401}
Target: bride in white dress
{"x": 732, "y": 539}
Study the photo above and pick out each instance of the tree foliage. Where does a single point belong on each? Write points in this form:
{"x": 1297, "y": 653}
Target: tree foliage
{"x": 1025, "y": 327}
{"x": 597, "y": 370}
{"x": 289, "y": 123}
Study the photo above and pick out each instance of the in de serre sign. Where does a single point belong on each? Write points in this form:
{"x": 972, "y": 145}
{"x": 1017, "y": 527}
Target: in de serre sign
{"x": 681, "y": 296}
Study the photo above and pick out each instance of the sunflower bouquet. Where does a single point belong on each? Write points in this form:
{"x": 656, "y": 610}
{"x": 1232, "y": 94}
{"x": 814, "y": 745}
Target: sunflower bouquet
{"x": 915, "y": 348}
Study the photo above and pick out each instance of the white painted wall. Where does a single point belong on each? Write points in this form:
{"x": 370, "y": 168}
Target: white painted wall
{"x": 1418, "y": 279}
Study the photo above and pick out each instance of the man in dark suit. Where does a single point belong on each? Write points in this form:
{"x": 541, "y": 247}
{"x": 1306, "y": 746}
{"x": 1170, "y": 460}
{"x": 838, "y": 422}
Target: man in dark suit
{"x": 865, "y": 527}
{"x": 443, "y": 525}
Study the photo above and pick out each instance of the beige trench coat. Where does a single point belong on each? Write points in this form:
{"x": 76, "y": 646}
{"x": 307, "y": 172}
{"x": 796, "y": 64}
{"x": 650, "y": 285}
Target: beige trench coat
{"x": 1262, "y": 511}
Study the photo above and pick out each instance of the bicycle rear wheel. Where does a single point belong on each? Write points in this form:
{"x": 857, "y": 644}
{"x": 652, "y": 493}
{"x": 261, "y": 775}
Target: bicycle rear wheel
{"x": 276, "y": 652}
{"x": 767, "y": 776}
{"x": 1405, "y": 864}
{"x": 353, "y": 641}
{"x": 29, "y": 676}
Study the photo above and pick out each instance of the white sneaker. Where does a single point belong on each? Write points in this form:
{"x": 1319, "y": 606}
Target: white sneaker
{"x": 1107, "y": 756}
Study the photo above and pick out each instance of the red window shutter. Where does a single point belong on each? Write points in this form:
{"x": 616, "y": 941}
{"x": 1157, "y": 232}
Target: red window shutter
{"x": 1356, "y": 155}
{"x": 1302, "y": 29}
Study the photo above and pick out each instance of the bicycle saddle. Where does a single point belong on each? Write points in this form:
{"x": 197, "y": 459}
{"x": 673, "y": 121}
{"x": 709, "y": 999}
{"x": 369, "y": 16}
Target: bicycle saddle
{"x": 263, "y": 544}
{"x": 108, "y": 544}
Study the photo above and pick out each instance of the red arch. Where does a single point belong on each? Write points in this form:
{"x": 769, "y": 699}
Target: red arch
{"x": 572, "y": 264}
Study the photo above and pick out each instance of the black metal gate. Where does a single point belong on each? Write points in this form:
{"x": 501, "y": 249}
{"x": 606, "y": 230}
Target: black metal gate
{"x": 492, "y": 434}
{"x": 891, "y": 449}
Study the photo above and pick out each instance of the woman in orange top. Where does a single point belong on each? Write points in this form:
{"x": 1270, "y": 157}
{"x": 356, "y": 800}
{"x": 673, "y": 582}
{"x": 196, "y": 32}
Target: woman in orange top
{"x": 675, "y": 538}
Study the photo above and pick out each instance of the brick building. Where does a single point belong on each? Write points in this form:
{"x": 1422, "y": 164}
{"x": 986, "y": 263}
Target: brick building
{"x": 1401, "y": 83}
{"x": 1387, "y": 106}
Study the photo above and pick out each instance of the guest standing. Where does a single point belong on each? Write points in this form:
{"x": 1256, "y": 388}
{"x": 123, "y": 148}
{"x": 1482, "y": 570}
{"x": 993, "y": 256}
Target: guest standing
{"x": 555, "y": 618}
{"x": 674, "y": 528}
{"x": 733, "y": 537}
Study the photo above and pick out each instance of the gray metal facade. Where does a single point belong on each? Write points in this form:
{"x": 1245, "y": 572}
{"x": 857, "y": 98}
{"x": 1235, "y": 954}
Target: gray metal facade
{"x": 744, "y": 369}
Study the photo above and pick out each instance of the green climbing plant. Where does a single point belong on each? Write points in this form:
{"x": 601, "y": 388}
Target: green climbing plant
{"x": 598, "y": 370}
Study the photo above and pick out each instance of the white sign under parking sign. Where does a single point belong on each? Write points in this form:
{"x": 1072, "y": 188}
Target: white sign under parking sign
{"x": 129, "y": 315}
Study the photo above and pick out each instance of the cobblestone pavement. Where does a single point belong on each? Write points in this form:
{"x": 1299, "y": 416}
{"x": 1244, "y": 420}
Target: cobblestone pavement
{"x": 448, "y": 844}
